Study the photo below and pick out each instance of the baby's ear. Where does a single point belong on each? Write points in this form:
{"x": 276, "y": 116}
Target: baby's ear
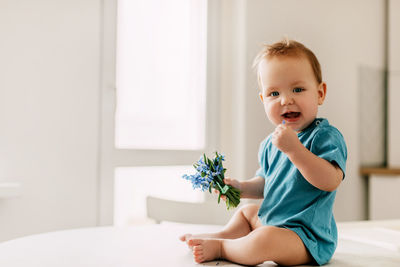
{"x": 261, "y": 97}
{"x": 321, "y": 93}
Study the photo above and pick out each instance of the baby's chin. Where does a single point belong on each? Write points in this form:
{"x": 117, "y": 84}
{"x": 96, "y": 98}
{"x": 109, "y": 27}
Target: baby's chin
{"x": 296, "y": 128}
{"x": 292, "y": 125}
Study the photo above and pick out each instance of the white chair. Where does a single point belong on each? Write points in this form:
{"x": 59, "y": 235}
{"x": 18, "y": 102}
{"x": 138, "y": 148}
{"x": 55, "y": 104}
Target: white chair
{"x": 208, "y": 212}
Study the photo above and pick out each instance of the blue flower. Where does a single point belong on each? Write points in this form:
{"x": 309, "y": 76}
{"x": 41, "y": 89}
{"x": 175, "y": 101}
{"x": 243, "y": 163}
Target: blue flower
{"x": 210, "y": 174}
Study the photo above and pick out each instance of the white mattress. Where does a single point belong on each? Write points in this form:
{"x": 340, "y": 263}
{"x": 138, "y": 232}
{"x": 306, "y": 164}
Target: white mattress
{"x": 158, "y": 245}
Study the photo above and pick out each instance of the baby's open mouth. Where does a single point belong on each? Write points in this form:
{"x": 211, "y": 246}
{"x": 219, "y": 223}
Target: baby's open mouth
{"x": 291, "y": 115}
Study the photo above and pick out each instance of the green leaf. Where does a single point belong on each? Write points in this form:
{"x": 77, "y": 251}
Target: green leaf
{"x": 209, "y": 162}
{"x": 212, "y": 166}
{"x": 219, "y": 197}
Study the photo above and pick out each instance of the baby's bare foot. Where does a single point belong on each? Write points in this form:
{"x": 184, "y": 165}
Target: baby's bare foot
{"x": 186, "y": 238}
{"x": 205, "y": 249}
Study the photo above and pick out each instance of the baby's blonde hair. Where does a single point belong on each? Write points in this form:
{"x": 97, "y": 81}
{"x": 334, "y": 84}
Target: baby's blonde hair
{"x": 289, "y": 48}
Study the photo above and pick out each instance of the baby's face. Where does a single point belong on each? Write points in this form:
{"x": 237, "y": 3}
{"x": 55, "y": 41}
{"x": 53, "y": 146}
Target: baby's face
{"x": 290, "y": 91}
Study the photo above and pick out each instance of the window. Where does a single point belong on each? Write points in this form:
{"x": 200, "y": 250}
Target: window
{"x": 163, "y": 114}
{"x": 161, "y": 74}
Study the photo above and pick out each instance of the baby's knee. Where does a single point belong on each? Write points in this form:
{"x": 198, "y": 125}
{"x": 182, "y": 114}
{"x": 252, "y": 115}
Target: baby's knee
{"x": 250, "y": 208}
{"x": 250, "y": 212}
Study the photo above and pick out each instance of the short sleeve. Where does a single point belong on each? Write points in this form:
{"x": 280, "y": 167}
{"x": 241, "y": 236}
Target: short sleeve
{"x": 260, "y": 172}
{"x": 329, "y": 144}
{"x": 262, "y": 158}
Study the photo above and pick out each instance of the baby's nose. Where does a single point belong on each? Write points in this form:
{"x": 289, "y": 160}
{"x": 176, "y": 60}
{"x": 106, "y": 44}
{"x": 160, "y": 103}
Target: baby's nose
{"x": 286, "y": 100}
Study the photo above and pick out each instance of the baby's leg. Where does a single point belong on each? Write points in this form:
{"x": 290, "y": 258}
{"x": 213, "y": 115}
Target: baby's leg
{"x": 266, "y": 243}
{"x": 242, "y": 222}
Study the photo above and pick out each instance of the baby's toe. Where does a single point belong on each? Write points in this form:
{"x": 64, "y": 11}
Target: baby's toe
{"x": 198, "y": 255}
{"x": 185, "y": 237}
{"x": 197, "y": 250}
{"x": 199, "y": 259}
{"x": 194, "y": 242}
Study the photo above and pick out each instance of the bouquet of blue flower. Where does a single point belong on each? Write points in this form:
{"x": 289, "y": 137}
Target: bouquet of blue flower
{"x": 210, "y": 174}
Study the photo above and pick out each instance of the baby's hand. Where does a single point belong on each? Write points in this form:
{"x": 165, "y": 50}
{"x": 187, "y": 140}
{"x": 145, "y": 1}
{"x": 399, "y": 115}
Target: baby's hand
{"x": 232, "y": 182}
{"x": 285, "y": 139}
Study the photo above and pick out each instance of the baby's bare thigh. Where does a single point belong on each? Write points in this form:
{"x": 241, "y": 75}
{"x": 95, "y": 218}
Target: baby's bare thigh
{"x": 282, "y": 246}
{"x": 279, "y": 244}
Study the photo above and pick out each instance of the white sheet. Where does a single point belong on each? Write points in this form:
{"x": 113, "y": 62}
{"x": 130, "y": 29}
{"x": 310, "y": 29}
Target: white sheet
{"x": 152, "y": 245}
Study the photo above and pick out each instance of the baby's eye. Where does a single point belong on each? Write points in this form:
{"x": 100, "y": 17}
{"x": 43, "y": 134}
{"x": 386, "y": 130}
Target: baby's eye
{"x": 274, "y": 93}
{"x": 298, "y": 90}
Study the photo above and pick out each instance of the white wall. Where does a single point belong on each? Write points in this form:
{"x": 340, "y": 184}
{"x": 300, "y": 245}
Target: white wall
{"x": 49, "y": 113}
{"x": 343, "y": 34}
{"x": 49, "y": 97}
{"x": 394, "y": 84}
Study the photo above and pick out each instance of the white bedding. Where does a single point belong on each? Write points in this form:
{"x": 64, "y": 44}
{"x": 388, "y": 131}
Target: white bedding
{"x": 158, "y": 245}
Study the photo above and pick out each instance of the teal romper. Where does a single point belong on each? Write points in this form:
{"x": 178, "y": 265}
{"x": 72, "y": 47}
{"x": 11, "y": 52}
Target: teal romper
{"x": 291, "y": 202}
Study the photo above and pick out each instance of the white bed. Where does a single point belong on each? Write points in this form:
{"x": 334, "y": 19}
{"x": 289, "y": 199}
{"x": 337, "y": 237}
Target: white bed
{"x": 158, "y": 245}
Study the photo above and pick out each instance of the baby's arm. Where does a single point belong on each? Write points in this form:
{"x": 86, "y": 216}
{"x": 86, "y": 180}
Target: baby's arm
{"x": 253, "y": 188}
{"x": 318, "y": 171}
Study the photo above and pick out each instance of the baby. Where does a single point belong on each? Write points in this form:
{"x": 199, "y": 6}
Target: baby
{"x": 302, "y": 163}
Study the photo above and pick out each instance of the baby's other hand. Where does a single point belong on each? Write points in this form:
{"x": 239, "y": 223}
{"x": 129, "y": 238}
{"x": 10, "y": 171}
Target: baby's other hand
{"x": 233, "y": 182}
{"x": 285, "y": 138}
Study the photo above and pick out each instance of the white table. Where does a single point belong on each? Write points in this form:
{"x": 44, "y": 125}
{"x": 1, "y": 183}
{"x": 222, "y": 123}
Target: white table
{"x": 153, "y": 245}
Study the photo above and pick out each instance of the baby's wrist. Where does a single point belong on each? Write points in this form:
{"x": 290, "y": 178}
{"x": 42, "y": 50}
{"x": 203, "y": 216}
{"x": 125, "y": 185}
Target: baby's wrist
{"x": 295, "y": 150}
{"x": 237, "y": 184}
{"x": 240, "y": 186}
